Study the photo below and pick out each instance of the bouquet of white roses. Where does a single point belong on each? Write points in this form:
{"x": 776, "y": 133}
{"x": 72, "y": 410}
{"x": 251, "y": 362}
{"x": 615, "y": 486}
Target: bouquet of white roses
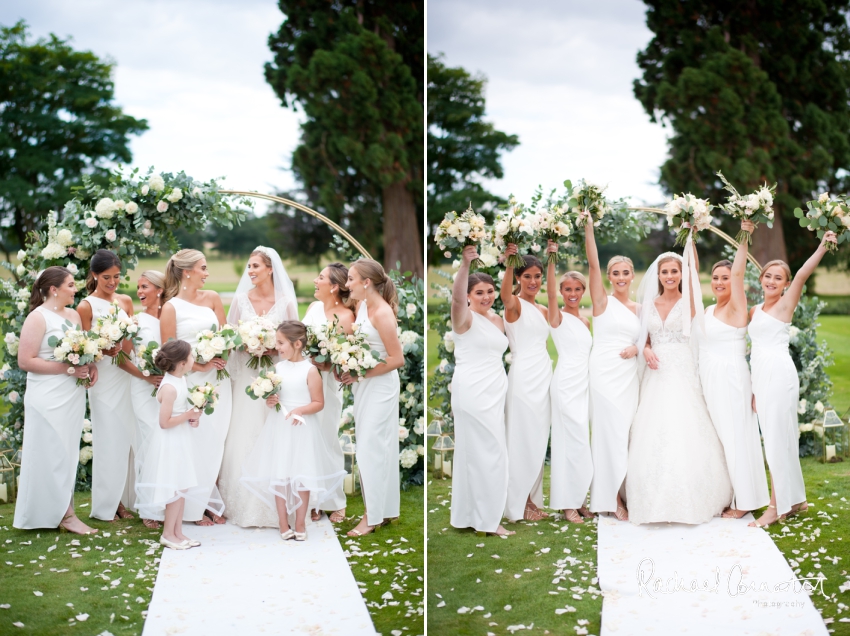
{"x": 553, "y": 225}
{"x": 756, "y": 207}
{"x": 515, "y": 225}
{"x": 217, "y": 343}
{"x": 456, "y": 232}
{"x": 824, "y": 214}
{"x": 264, "y": 386}
{"x": 203, "y": 397}
{"x": 586, "y": 201}
{"x": 258, "y": 336}
{"x": 115, "y": 328}
{"x": 318, "y": 340}
{"x": 686, "y": 214}
{"x": 351, "y": 353}
{"x": 145, "y": 361}
{"x": 78, "y": 348}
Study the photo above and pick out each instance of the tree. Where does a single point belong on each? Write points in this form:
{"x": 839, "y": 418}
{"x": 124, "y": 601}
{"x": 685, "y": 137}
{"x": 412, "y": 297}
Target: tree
{"x": 355, "y": 68}
{"x": 463, "y": 148}
{"x": 297, "y": 235}
{"x": 57, "y": 122}
{"x": 758, "y": 89}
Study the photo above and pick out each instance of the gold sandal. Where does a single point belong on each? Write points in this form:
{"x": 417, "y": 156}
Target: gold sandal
{"x": 533, "y": 514}
{"x": 758, "y": 524}
{"x": 622, "y": 516}
{"x": 573, "y": 516}
{"x": 337, "y": 516}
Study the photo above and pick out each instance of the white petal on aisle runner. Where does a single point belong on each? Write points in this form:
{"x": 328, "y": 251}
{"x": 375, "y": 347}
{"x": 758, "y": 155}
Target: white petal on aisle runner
{"x": 694, "y": 553}
{"x": 249, "y": 581}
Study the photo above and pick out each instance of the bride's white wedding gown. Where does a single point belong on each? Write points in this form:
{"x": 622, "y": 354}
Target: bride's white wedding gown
{"x": 677, "y": 468}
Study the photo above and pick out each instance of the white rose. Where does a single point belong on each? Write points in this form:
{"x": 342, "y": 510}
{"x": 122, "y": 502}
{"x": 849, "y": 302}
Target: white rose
{"x": 145, "y": 190}
{"x": 198, "y": 399}
{"x": 86, "y": 455}
{"x": 403, "y": 433}
{"x": 162, "y": 206}
{"x": 419, "y": 426}
{"x": 196, "y": 192}
{"x": 91, "y": 222}
{"x": 87, "y": 438}
{"x": 105, "y": 208}
{"x": 86, "y": 425}
{"x": 13, "y": 397}
{"x": 132, "y": 207}
{"x": 22, "y": 254}
{"x": 410, "y": 388}
{"x": 824, "y": 197}
{"x": 111, "y": 235}
{"x": 218, "y": 343}
{"x": 175, "y": 196}
{"x": 266, "y": 386}
{"x": 819, "y": 406}
{"x": 449, "y": 341}
{"x": 793, "y": 332}
{"x": 21, "y": 270}
{"x": 21, "y": 305}
{"x": 64, "y": 238}
{"x": 73, "y": 269}
{"x": 411, "y": 309}
{"x": 408, "y": 457}
{"x": 508, "y": 357}
{"x": 156, "y": 183}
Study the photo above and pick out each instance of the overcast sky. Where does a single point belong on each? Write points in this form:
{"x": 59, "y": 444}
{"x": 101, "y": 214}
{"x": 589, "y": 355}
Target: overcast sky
{"x": 194, "y": 70}
{"x": 560, "y": 76}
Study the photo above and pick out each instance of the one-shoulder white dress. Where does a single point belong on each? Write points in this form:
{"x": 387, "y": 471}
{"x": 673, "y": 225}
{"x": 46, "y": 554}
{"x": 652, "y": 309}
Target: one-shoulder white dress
{"x": 208, "y": 438}
{"x": 614, "y": 391}
{"x": 113, "y": 429}
{"x": 479, "y": 388}
{"x": 54, "y": 409}
{"x": 726, "y": 385}
{"x": 527, "y": 410}
{"x": 572, "y": 461}
{"x": 777, "y": 390}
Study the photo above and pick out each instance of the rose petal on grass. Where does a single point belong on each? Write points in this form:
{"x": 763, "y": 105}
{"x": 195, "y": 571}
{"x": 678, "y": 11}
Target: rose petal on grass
{"x": 18, "y": 624}
{"x": 37, "y": 593}
{"x": 462, "y": 610}
{"x": 82, "y": 617}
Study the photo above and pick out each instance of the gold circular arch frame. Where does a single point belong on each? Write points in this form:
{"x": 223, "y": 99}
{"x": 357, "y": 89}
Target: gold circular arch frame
{"x": 719, "y": 233}
{"x": 306, "y": 210}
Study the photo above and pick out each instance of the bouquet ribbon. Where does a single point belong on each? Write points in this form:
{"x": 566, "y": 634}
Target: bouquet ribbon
{"x": 690, "y": 286}
{"x": 288, "y": 416}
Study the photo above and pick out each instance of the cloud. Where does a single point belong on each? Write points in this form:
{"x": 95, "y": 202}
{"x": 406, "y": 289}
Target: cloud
{"x": 194, "y": 70}
{"x": 560, "y": 76}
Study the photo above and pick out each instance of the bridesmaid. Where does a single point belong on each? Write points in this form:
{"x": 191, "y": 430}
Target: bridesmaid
{"x": 333, "y": 301}
{"x": 572, "y": 463}
{"x": 613, "y": 377}
{"x": 149, "y": 289}
{"x": 376, "y": 395}
{"x": 479, "y": 388}
{"x": 112, "y": 418}
{"x": 527, "y": 411}
{"x": 54, "y": 409}
{"x": 264, "y": 290}
{"x": 188, "y": 310}
{"x": 725, "y": 378}
{"x": 776, "y": 385}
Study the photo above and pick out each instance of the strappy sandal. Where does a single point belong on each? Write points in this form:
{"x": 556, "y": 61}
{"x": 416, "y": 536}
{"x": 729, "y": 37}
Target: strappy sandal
{"x": 573, "y": 516}
{"x": 533, "y": 514}
{"x": 63, "y": 528}
{"x": 730, "y": 513}
{"x": 123, "y": 513}
{"x": 793, "y": 513}
{"x": 354, "y": 532}
{"x": 204, "y": 521}
{"x": 153, "y": 524}
{"x": 584, "y": 512}
{"x": 315, "y": 515}
{"x": 758, "y": 524}
{"x": 622, "y": 516}
{"x": 337, "y": 516}
{"x": 506, "y": 533}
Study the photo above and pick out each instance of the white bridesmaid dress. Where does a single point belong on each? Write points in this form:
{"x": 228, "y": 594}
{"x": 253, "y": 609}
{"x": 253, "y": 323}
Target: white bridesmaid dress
{"x": 288, "y": 456}
{"x": 479, "y": 388}
{"x": 113, "y": 424}
{"x": 208, "y": 438}
{"x": 145, "y": 405}
{"x": 777, "y": 390}
{"x": 54, "y": 409}
{"x": 246, "y": 422}
{"x": 527, "y": 409}
{"x": 330, "y": 416}
{"x": 169, "y": 470}
{"x": 614, "y": 389}
{"x": 376, "y": 432}
{"x": 725, "y": 378}
{"x": 572, "y": 462}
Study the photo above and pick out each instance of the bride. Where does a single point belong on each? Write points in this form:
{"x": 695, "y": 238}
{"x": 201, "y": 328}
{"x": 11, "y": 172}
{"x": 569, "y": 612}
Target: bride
{"x": 677, "y": 469}
{"x": 264, "y": 290}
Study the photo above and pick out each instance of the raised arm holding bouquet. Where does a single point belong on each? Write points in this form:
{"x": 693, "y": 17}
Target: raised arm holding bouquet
{"x": 755, "y": 208}
{"x": 455, "y": 232}
{"x": 826, "y": 215}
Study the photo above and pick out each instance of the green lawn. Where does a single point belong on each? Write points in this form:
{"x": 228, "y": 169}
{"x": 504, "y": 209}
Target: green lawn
{"x": 490, "y": 585}
{"x": 108, "y": 585}
{"x": 836, "y": 331}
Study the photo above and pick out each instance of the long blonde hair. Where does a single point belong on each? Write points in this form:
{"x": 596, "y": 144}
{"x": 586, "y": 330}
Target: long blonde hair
{"x": 182, "y": 261}
{"x": 374, "y": 271}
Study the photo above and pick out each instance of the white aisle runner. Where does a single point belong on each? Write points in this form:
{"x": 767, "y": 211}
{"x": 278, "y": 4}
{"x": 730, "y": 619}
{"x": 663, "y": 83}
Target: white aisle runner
{"x": 249, "y": 581}
{"x": 725, "y": 559}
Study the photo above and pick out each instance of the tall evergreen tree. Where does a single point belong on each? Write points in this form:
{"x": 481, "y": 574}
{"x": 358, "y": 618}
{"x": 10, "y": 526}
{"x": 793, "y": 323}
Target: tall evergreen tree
{"x": 758, "y": 89}
{"x": 355, "y": 69}
{"x": 463, "y": 148}
{"x": 57, "y": 122}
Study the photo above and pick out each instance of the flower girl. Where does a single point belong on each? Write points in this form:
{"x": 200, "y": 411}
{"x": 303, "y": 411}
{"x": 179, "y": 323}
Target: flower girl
{"x": 168, "y": 475}
{"x": 286, "y": 465}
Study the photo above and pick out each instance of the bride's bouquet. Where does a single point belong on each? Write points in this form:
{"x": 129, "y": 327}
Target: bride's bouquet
{"x": 552, "y": 225}
{"x": 203, "y": 397}
{"x": 515, "y": 225}
{"x": 217, "y": 343}
{"x": 756, "y": 207}
{"x": 824, "y": 214}
{"x": 258, "y": 336}
{"x": 351, "y": 353}
{"x": 687, "y": 213}
{"x": 115, "y": 328}
{"x": 456, "y": 232}
{"x": 264, "y": 386}
{"x": 586, "y": 201}
{"x": 78, "y": 348}
{"x": 145, "y": 361}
